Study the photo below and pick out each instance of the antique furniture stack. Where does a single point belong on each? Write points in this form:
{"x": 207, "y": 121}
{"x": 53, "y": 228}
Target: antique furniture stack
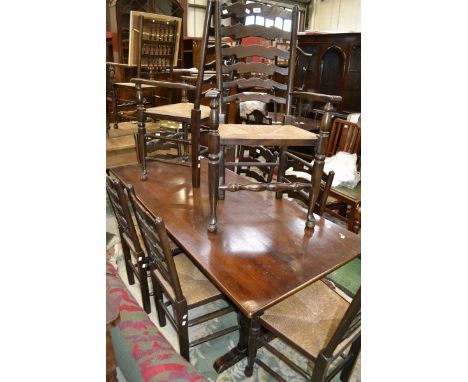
{"x": 264, "y": 255}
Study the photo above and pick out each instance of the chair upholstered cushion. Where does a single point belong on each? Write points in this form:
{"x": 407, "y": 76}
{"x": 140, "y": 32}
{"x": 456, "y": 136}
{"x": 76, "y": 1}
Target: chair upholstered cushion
{"x": 179, "y": 110}
{"x": 132, "y": 85}
{"x": 308, "y": 318}
{"x": 195, "y": 286}
{"x": 275, "y": 135}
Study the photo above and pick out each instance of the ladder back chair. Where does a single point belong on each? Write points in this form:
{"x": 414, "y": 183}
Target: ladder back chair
{"x": 241, "y": 78}
{"x": 190, "y": 115}
{"x": 318, "y": 323}
{"x": 345, "y": 203}
{"x": 136, "y": 262}
{"x": 177, "y": 282}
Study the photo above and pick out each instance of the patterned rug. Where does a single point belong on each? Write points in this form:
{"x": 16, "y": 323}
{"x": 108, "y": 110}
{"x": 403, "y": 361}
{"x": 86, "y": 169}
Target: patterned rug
{"x": 203, "y": 356}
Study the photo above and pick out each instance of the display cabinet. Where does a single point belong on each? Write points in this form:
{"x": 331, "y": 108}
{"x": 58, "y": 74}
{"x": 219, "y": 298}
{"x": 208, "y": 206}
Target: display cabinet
{"x": 334, "y": 68}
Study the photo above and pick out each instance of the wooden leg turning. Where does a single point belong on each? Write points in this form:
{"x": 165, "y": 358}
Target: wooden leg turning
{"x": 240, "y": 351}
{"x": 252, "y": 348}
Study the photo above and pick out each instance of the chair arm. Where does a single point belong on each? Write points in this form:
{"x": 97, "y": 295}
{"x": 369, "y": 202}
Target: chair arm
{"x": 120, "y": 65}
{"x": 317, "y": 96}
{"x": 212, "y": 93}
{"x": 164, "y": 84}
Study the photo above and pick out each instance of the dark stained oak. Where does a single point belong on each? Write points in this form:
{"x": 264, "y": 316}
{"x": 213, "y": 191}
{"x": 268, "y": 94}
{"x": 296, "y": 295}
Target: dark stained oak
{"x": 256, "y": 259}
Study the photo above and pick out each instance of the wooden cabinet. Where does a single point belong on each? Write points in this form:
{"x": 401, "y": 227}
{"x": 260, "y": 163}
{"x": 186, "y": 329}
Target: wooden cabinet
{"x": 119, "y": 11}
{"x": 335, "y": 67}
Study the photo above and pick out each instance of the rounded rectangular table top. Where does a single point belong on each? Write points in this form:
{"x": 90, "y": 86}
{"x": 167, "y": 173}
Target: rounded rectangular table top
{"x": 261, "y": 252}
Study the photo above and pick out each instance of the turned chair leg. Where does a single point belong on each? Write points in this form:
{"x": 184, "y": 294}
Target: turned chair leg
{"x": 185, "y": 137}
{"x": 158, "y": 301}
{"x": 142, "y": 271}
{"x": 128, "y": 260}
{"x": 195, "y": 138}
{"x": 348, "y": 368}
{"x": 116, "y": 110}
{"x": 222, "y": 172}
{"x": 181, "y": 314}
{"x": 141, "y": 117}
{"x": 281, "y": 170}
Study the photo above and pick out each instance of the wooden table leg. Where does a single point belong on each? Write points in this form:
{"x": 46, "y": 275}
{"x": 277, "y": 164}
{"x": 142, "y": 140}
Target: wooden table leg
{"x": 240, "y": 351}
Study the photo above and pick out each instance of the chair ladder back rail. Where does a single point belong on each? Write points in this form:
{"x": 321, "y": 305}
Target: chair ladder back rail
{"x": 348, "y": 328}
{"x": 243, "y": 97}
{"x": 270, "y": 52}
{"x": 236, "y": 61}
{"x": 157, "y": 244}
{"x": 156, "y": 45}
{"x": 115, "y": 190}
{"x": 344, "y": 136}
{"x": 254, "y": 155}
{"x": 240, "y": 11}
{"x": 245, "y": 83}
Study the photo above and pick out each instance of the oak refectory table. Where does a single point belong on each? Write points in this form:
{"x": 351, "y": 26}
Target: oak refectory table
{"x": 261, "y": 252}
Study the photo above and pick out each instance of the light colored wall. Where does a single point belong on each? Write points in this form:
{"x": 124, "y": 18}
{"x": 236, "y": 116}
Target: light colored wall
{"x": 335, "y": 15}
{"x": 195, "y": 19}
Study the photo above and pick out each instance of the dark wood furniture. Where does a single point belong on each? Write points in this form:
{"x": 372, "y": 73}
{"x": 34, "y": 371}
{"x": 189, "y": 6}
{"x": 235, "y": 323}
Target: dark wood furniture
{"x": 327, "y": 331}
{"x": 256, "y": 259}
{"x": 176, "y": 281}
{"x": 335, "y": 66}
{"x": 345, "y": 203}
{"x": 253, "y": 155}
{"x": 235, "y": 63}
{"x": 136, "y": 261}
{"x": 154, "y": 42}
{"x": 191, "y": 115}
{"x": 305, "y": 168}
{"x": 120, "y": 23}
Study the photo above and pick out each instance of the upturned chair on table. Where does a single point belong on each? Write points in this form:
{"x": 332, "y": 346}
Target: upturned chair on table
{"x": 177, "y": 282}
{"x": 241, "y": 79}
{"x": 190, "y": 115}
{"x": 316, "y": 322}
{"x": 157, "y": 41}
{"x": 136, "y": 261}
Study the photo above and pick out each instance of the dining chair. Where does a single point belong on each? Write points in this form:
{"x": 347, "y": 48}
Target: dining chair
{"x": 189, "y": 115}
{"x": 177, "y": 282}
{"x": 301, "y": 171}
{"x": 345, "y": 203}
{"x": 318, "y": 323}
{"x": 136, "y": 261}
{"x": 241, "y": 78}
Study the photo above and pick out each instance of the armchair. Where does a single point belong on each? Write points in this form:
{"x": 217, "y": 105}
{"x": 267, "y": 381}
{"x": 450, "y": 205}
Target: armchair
{"x": 237, "y": 71}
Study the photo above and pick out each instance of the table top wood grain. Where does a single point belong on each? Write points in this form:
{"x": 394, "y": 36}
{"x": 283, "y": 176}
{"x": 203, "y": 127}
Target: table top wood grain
{"x": 261, "y": 253}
